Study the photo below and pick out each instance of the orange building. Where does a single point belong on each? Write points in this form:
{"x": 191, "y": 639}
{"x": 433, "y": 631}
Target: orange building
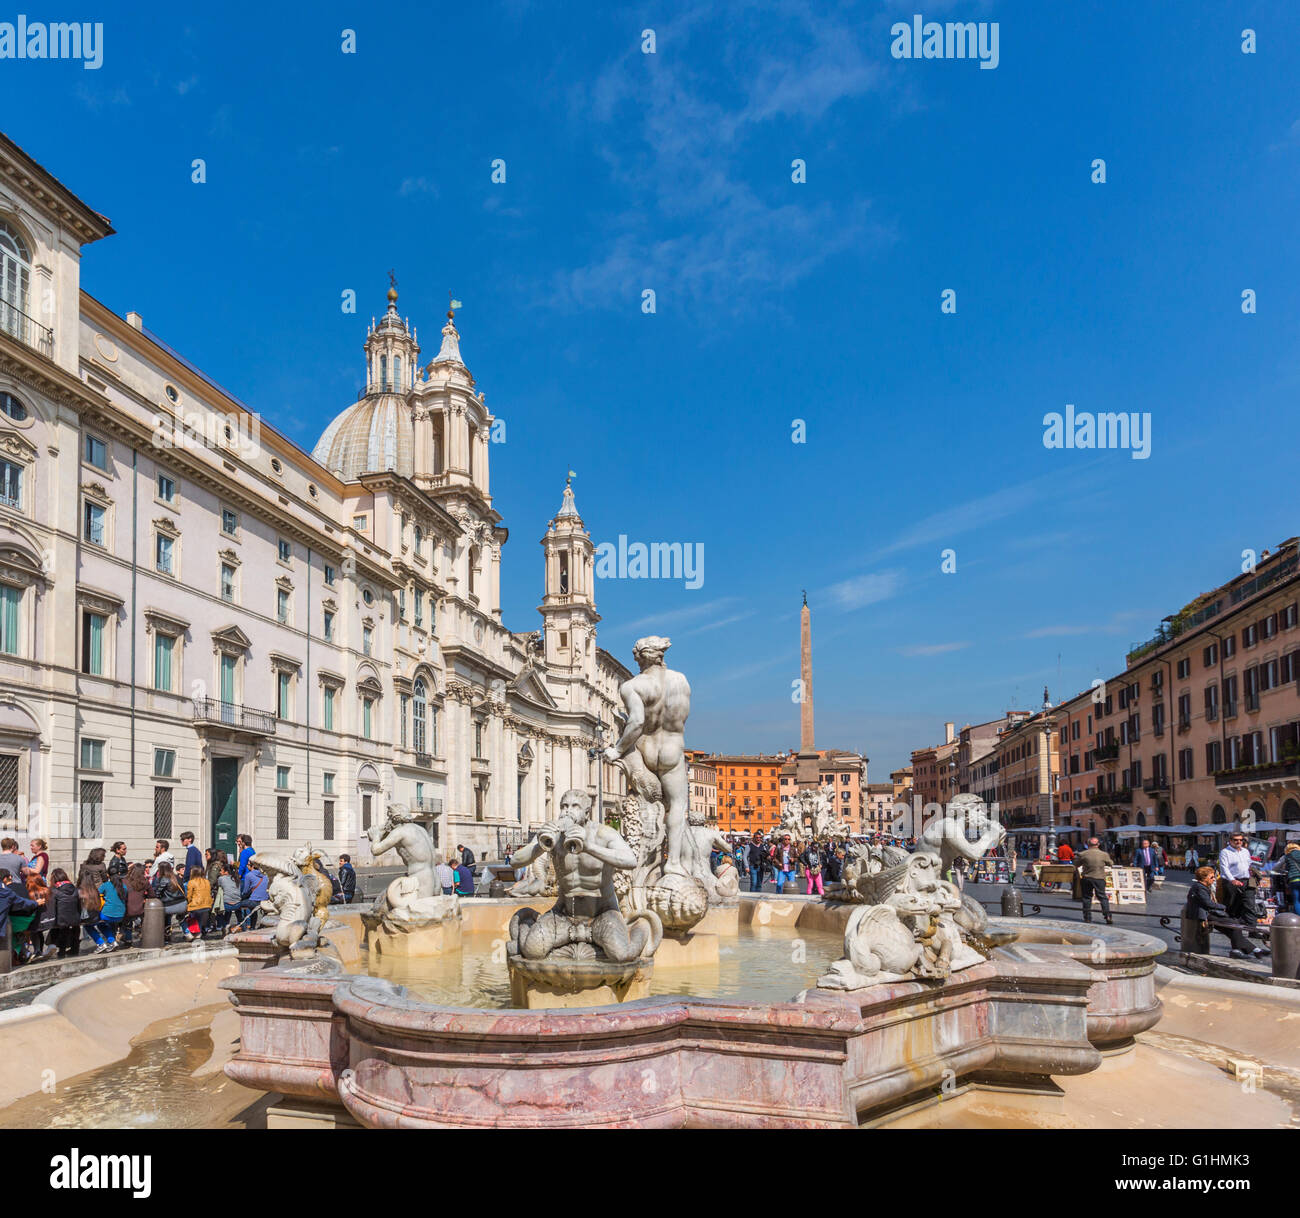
{"x": 748, "y": 792}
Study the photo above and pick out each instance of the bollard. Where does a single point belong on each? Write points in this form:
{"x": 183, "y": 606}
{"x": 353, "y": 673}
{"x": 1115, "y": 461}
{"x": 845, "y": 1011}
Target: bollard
{"x": 1012, "y": 905}
{"x": 1284, "y": 942}
{"x": 152, "y": 923}
{"x": 7, "y": 948}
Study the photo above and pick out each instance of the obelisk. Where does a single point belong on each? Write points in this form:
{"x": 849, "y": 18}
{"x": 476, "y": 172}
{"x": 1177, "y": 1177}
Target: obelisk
{"x": 806, "y": 767}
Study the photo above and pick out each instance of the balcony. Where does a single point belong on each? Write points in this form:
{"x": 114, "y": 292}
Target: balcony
{"x": 211, "y": 712}
{"x": 1106, "y": 753}
{"x": 27, "y": 330}
{"x": 1269, "y": 773}
{"x": 1111, "y": 799}
{"x": 1156, "y": 786}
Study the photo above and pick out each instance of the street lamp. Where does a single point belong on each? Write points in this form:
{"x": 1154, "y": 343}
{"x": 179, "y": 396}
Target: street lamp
{"x": 1047, "y": 754}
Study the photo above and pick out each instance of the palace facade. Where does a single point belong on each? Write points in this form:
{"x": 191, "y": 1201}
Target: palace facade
{"x": 204, "y": 627}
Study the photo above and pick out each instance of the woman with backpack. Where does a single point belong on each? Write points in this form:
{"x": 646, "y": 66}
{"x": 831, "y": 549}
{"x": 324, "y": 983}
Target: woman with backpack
{"x": 66, "y": 902}
{"x": 93, "y": 871}
{"x": 171, "y": 892}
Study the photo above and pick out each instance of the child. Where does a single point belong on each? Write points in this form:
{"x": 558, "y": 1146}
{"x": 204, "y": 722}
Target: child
{"x": 198, "y": 901}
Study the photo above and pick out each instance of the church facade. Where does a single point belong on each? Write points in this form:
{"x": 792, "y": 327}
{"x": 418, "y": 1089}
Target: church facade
{"x": 204, "y": 627}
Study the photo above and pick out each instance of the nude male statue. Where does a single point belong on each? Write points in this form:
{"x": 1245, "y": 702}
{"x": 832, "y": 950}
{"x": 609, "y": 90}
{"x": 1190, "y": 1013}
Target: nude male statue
{"x": 405, "y": 834}
{"x": 945, "y": 837}
{"x": 586, "y": 855}
{"x": 658, "y": 701}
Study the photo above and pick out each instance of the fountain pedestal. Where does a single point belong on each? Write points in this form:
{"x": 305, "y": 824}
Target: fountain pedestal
{"x": 559, "y": 983}
{"x": 434, "y": 939}
{"x": 687, "y": 950}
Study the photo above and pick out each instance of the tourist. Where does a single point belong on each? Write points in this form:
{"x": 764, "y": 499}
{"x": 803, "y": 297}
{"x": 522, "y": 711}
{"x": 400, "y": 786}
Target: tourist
{"x": 812, "y": 862}
{"x": 92, "y": 903}
{"x": 446, "y": 877}
{"x": 1065, "y": 853}
{"x": 193, "y": 856}
{"x": 784, "y": 860}
{"x": 1235, "y": 865}
{"x": 1192, "y": 860}
{"x": 466, "y": 855}
{"x": 10, "y": 860}
{"x": 198, "y": 900}
{"x": 228, "y": 887}
{"x": 40, "y": 859}
{"x": 112, "y": 913}
{"x": 1092, "y": 864}
{"x": 66, "y": 900}
{"x": 465, "y": 879}
{"x": 171, "y": 892}
{"x": 245, "y": 844}
{"x": 347, "y": 886}
{"x": 26, "y": 927}
{"x": 1145, "y": 857}
{"x": 214, "y": 860}
{"x": 93, "y": 871}
{"x": 14, "y": 901}
{"x": 1291, "y": 861}
{"x": 138, "y": 892}
{"x": 1202, "y": 907}
{"x": 162, "y": 856}
{"x": 117, "y": 864}
{"x": 252, "y": 892}
{"x": 755, "y": 861}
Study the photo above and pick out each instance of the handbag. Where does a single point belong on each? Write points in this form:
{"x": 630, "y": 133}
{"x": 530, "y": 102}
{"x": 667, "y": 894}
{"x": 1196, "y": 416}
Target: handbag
{"x": 219, "y": 901}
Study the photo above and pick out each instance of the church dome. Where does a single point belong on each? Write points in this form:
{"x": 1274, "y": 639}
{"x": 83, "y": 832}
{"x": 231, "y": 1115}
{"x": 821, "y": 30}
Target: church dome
{"x": 376, "y": 434}
{"x": 371, "y": 436}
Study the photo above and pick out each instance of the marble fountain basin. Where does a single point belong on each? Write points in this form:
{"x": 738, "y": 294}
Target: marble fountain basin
{"x": 345, "y": 1049}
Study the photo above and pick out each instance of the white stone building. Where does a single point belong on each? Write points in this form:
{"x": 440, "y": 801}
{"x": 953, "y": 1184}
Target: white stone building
{"x": 204, "y": 627}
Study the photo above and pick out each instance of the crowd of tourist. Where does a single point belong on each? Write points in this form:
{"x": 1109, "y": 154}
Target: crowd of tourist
{"x": 203, "y": 893}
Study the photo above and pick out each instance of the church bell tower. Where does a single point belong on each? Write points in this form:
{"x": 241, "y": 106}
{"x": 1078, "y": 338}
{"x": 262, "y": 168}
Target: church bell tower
{"x": 568, "y": 607}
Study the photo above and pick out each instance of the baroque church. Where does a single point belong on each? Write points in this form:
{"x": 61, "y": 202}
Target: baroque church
{"x": 204, "y": 627}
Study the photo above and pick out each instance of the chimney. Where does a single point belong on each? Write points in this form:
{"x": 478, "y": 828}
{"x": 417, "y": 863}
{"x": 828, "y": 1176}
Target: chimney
{"x": 947, "y": 733}
{"x": 135, "y": 321}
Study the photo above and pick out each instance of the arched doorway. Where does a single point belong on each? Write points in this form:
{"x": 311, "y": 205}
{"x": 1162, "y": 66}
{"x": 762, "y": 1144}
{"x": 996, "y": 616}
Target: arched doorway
{"x": 1291, "y": 812}
{"x": 1189, "y": 817}
{"x": 1142, "y": 819}
{"x": 1163, "y": 816}
{"x": 1218, "y": 816}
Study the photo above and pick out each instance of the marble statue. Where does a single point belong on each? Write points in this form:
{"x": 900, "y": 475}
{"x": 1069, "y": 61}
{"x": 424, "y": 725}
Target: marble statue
{"x": 947, "y": 838}
{"x": 914, "y": 922}
{"x": 586, "y": 922}
{"x": 538, "y": 879}
{"x": 291, "y": 900}
{"x": 698, "y": 844}
{"x": 415, "y": 900}
{"x": 310, "y": 861}
{"x": 652, "y": 744}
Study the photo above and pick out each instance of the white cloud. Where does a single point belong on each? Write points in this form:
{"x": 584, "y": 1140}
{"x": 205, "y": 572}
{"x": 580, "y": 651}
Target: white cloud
{"x": 864, "y": 589}
{"x": 931, "y": 649}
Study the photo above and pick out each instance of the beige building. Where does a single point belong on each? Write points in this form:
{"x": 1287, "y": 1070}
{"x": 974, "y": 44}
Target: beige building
{"x": 204, "y": 627}
{"x": 704, "y": 788}
{"x": 878, "y": 807}
{"x": 1203, "y": 724}
{"x": 975, "y": 744}
{"x": 934, "y": 771}
{"x": 1023, "y": 768}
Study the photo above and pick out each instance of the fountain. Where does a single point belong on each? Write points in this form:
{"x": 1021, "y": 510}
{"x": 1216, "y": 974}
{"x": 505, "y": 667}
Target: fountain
{"x": 928, "y": 994}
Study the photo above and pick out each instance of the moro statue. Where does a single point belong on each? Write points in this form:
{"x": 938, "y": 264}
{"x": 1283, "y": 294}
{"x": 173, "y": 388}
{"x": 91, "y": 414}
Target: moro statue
{"x": 585, "y": 922}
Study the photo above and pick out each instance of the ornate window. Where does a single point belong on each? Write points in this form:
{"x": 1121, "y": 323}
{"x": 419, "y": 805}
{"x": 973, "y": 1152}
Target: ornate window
{"x": 12, "y": 408}
{"x": 420, "y": 705}
{"x": 15, "y": 279}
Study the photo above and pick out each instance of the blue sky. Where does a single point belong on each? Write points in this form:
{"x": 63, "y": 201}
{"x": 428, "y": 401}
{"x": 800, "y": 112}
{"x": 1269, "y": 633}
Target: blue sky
{"x": 775, "y": 301}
